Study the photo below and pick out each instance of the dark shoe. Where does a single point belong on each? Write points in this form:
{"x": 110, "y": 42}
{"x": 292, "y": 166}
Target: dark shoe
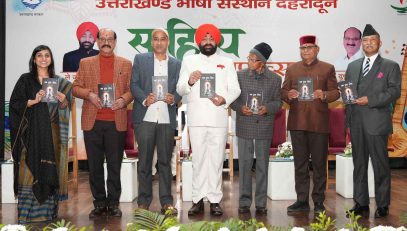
{"x": 196, "y": 208}
{"x": 216, "y": 210}
{"x": 244, "y": 209}
{"x": 261, "y": 210}
{"x": 169, "y": 207}
{"x": 145, "y": 207}
{"x": 358, "y": 210}
{"x": 381, "y": 212}
{"x": 97, "y": 212}
{"x": 319, "y": 208}
{"x": 114, "y": 211}
{"x": 298, "y": 206}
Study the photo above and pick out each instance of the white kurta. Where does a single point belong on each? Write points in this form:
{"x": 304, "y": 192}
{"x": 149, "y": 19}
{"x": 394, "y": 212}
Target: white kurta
{"x": 207, "y": 122}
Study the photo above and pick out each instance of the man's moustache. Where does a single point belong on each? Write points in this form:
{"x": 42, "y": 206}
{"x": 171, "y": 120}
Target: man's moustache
{"x": 106, "y": 46}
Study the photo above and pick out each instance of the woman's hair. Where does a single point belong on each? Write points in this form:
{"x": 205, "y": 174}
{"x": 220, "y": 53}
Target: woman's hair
{"x": 33, "y": 65}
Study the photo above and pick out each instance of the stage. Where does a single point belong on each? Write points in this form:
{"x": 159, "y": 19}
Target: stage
{"x": 79, "y": 204}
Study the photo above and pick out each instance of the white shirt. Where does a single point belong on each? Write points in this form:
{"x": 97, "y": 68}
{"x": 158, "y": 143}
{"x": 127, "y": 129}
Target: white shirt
{"x": 158, "y": 111}
{"x": 342, "y": 63}
{"x": 372, "y": 59}
{"x": 201, "y": 111}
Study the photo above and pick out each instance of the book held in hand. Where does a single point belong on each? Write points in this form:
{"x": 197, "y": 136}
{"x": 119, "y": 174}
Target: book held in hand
{"x": 254, "y": 101}
{"x": 50, "y": 86}
{"x": 207, "y": 87}
{"x": 160, "y": 87}
{"x": 305, "y": 89}
{"x": 348, "y": 92}
{"x": 106, "y": 94}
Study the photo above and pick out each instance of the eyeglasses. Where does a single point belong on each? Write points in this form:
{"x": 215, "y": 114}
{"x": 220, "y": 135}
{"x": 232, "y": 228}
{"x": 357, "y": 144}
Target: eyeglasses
{"x": 303, "y": 48}
{"x": 250, "y": 60}
{"x": 109, "y": 40}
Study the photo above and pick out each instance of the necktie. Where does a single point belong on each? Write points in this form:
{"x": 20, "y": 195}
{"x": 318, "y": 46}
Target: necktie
{"x": 367, "y": 67}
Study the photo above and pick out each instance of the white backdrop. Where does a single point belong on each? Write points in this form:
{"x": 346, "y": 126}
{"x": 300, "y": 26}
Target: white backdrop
{"x": 54, "y": 23}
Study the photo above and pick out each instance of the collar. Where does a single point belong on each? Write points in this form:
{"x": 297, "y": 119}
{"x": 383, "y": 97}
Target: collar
{"x": 156, "y": 59}
{"x": 372, "y": 58}
{"x": 311, "y": 64}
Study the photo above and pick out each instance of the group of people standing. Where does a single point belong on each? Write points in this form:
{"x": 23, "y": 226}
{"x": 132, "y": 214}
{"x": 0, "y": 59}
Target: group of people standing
{"x": 38, "y": 157}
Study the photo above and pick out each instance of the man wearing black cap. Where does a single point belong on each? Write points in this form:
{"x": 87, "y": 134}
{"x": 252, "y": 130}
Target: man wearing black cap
{"x": 308, "y": 122}
{"x": 378, "y": 82}
{"x": 254, "y": 131}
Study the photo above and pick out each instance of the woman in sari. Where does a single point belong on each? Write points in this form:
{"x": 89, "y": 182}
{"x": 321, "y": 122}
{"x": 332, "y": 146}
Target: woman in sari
{"x": 39, "y": 134}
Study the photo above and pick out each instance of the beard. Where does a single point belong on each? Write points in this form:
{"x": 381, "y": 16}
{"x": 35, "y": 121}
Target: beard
{"x": 86, "y": 45}
{"x": 208, "y": 49}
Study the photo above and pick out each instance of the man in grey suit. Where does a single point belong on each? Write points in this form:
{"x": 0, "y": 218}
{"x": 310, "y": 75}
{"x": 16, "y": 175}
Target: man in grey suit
{"x": 254, "y": 132}
{"x": 378, "y": 82}
{"x": 155, "y": 121}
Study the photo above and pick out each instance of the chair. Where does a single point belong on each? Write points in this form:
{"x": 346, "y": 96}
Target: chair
{"x": 229, "y": 146}
{"x": 279, "y": 131}
{"x": 338, "y": 135}
{"x": 130, "y": 147}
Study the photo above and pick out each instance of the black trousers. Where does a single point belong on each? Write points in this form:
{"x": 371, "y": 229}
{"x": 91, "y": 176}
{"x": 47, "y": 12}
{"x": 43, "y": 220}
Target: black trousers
{"x": 104, "y": 141}
{"x": 375, "y": 146}
{"x": 149, "y": 135}
{"x": 306, "y": 144}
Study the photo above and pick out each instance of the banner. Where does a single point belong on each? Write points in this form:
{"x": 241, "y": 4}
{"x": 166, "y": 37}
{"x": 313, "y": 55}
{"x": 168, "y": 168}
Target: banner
{"x": 244, "y": 23}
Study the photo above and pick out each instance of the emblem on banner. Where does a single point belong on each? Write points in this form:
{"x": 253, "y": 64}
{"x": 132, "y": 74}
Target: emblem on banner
{"x": 32, "y": 4}
{"x": 400, "y": 10}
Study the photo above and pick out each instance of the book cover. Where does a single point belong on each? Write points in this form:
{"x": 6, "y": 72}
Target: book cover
{"x": 50, "y": 86}
{"x": 160, "y": 87}
{"x": 348, "y": 92}
{"x": 305, "y": 89}
{"x": 254, "y": 101}
{"x": 207, "y": 85}
{"x": 106, "y": 94}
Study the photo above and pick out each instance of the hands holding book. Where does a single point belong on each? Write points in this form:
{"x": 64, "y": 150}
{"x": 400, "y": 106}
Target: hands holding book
{"x": 218, "y": 100}
{"x": 247, "y": 112}
{"x": 194, "y": 77}
{"x": 293, "y": 94}
{"x": 319, "y": 94}
{"x": 118, "y": 104}
{"x": 362, "y": 101}
{"x": 63, "y": 102}
{"x": 38, "y": 97}
{"x": 94, "y": 98}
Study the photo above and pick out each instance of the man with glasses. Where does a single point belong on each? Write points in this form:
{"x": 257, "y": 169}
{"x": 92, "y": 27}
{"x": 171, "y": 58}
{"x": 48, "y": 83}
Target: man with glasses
{"x": 207, "y": 117}
{"x": 352, "y": 39}
{"x": 155, "y": 121}
{"x": 104, "y": 128}
{"x": 308, "y": 122}
{"x": 255, "y": 131}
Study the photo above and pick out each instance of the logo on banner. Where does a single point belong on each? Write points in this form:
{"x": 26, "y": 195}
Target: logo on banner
{"x": 32, "y": 4}
{"x": 400, "y": 10}
{"x": 182, "y": 41}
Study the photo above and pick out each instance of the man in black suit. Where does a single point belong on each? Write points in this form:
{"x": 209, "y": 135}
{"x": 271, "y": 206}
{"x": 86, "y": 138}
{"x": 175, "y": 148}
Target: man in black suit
{"x": 378, "y": 82}
{"x": 86, "y": 34}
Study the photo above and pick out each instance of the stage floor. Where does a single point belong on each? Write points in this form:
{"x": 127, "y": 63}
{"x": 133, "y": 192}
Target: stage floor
{"x": 77, "y": 208}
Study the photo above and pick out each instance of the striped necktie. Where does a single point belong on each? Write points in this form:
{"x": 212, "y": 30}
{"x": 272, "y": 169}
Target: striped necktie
{"x": 367, "y": 67}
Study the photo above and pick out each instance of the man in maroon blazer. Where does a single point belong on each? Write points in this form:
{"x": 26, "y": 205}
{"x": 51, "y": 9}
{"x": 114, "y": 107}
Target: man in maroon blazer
{"x": 308, "y": 122}
{"x": 104, "y": 128}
